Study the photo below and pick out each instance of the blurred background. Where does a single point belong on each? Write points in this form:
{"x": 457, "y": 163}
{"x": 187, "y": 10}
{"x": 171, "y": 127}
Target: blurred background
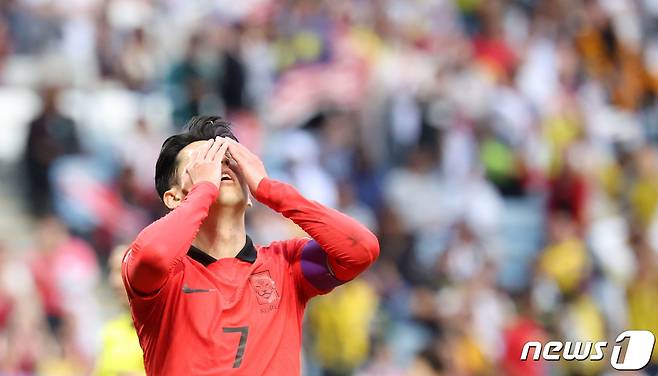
{"x": 504, "y": 152}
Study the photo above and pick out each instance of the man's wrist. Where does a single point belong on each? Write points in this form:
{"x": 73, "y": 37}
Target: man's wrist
{"x": 206, "y": 185}
{"x": 202, "y": 181}
{"x": 261, "y": 190}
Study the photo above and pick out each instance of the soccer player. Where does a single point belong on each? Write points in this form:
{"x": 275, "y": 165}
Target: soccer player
{"x": 204, "y": 299}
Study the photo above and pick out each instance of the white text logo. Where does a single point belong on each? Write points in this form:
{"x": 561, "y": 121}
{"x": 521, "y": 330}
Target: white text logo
{"x": 631, "y": 352}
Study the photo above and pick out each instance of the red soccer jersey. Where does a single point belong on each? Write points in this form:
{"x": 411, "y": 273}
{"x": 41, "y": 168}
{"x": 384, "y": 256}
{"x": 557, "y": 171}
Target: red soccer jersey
{"x": 242, "y": 315}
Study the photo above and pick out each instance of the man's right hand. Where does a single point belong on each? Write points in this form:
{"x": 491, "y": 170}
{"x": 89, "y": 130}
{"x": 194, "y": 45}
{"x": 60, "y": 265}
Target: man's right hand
{"x": 206, "y": 164}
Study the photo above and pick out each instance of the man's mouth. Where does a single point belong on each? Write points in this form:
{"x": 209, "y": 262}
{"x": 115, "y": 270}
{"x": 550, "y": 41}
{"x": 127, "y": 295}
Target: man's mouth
{"x": 226, "y": 177}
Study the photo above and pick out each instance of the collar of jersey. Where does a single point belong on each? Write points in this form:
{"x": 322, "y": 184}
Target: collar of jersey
{"x": 246, "y": 254}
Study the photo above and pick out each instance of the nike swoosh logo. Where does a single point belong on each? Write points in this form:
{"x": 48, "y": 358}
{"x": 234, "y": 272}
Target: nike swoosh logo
{"x": 187, "y": 290}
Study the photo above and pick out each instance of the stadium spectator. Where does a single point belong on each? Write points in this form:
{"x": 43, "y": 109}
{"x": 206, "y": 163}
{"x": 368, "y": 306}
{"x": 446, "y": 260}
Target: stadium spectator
{"x": 51, "y": 135}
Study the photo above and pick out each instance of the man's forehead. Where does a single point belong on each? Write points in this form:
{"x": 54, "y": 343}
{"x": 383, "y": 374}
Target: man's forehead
{"x": 187, "y": 152}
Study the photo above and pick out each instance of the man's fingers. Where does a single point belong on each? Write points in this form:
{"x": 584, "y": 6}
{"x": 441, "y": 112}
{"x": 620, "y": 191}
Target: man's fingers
{"x": 236, "y": 149}
{"x": 214, "y": 146}
{"x": 188, "y": 166}
{"x": 219, "y": 156}
{"x": 199, "y": 155}
{"x": 212, "y": 152}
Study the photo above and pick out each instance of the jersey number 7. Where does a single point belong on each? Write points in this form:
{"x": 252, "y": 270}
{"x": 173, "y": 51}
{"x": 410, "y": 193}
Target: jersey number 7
{"x": 244, "y": 333}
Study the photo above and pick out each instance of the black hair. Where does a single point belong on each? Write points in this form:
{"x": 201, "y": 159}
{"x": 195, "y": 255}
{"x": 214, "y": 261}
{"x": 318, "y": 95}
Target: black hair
{"x": 198, "y": 128}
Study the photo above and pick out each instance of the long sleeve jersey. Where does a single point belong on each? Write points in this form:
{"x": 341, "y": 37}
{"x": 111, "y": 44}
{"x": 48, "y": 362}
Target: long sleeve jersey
{"x": 197, "y": 315}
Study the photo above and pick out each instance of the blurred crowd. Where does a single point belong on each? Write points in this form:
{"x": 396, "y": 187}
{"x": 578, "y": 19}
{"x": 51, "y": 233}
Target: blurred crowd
{"x": 504, "y": 152}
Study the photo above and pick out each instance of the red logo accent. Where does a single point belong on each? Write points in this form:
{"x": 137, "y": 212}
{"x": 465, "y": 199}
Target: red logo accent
{"x": 264, "y": 286}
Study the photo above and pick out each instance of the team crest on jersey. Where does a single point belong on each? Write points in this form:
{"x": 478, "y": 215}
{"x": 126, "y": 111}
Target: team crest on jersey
{"x": 264, "y": 286}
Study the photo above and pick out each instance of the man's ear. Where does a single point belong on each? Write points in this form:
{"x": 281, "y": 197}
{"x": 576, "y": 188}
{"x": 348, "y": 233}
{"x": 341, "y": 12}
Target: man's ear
{"x": 173, "y": 197}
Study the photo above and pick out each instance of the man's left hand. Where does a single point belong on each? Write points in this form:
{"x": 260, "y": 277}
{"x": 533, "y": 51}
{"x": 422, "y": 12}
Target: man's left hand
{"x": 249, "y": 163}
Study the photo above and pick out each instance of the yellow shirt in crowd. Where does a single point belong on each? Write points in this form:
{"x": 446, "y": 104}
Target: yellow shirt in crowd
{"x": 121, "y": 354}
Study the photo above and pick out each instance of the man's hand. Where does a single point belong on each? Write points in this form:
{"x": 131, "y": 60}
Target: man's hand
{"x": 206, "y": 164}
{"x": 251, "y": 166}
